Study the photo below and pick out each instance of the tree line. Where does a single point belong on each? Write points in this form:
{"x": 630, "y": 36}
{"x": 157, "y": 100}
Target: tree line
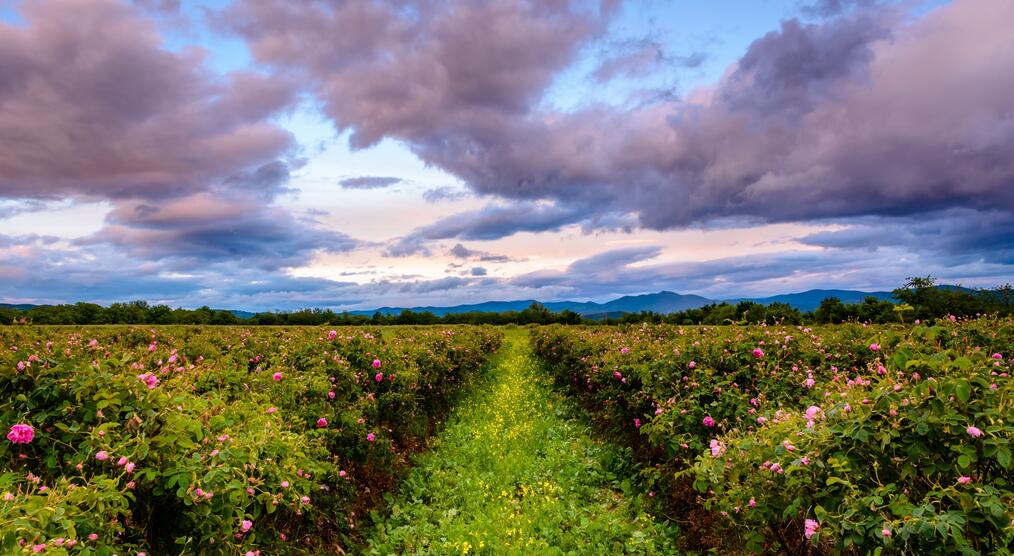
{"x": 918, "y": 299}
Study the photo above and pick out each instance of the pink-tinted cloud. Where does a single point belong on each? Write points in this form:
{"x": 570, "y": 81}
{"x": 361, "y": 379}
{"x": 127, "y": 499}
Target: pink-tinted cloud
{"x": 211, "y": 227}
{"x": 421, "y": 70}
{"x": 871, "y": 112}
{"x": 92, "y": 105}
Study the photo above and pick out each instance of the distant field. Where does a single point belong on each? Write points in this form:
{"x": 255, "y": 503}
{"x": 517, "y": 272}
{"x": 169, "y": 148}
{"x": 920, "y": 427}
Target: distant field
{"x": 286, "y": 440}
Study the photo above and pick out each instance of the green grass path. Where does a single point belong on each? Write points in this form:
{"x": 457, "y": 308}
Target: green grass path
{"x": 516, "y": 471}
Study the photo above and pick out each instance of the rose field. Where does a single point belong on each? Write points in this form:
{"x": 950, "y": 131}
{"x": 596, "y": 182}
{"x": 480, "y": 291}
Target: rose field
{"x": 214, "y": 440}
{"x": 561, "y": 439}
{"x": 843, "y": 439}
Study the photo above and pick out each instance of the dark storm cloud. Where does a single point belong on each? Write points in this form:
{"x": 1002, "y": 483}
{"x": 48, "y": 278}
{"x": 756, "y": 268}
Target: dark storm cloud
{"x": 369, "y": 182}
{"x": 870, "y": 112}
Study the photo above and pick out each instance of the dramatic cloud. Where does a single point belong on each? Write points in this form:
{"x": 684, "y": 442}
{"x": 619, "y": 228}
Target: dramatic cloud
{"x": 497, "y": 221}
{"x": 440, "y": 74}
{"x": 369, "y": 182}
{"x": 91, "y": 105}
{"x": 204, "y": 228}
{"x": 889, "y": 126}
{"x": 493, "y": 221}
{"x": 952, "y": 237}
{"x": 867, "y": 113}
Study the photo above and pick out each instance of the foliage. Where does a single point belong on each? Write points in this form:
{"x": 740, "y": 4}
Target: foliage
{"x": 863, "y": 430}
{"x": 516, "y": 471}
{"x": 140, "y": 312}
{"x": 920, "y": 299}
{"x": 215, "y": 440}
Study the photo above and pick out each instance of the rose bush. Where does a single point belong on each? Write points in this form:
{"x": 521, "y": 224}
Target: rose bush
{"x": 180, "y": 439}
{"x": 836, "y": 439}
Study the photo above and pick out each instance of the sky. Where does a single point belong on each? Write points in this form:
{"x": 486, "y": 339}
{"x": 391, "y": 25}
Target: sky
{"x": 351, "y": 154}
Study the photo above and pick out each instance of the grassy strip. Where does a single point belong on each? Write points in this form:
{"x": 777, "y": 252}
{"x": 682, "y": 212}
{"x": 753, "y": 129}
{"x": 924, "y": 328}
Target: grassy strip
{"x": 516, "y": 471}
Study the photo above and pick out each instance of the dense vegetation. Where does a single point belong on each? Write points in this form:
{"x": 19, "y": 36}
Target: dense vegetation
{"x": 833, "y": 439}
{"x": 517, "y": 470}
{"x": 213, "y": 440}
{"x": 140, "y": 312}
{"x": 918, "y": 299}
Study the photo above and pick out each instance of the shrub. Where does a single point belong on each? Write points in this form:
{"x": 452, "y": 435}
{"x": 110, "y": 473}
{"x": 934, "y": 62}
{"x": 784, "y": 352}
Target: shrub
{"x": 214, "y": 440}
{"x": 832, "y": 439}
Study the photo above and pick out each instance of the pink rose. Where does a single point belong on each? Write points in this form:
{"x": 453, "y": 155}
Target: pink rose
{"x": 810, "y": 528}
{"x": 21, "y": 434}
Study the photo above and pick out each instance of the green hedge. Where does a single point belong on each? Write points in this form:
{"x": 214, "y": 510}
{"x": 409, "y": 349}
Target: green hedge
{"x": 884, "y": 461}
{"x": 221, "y": 440}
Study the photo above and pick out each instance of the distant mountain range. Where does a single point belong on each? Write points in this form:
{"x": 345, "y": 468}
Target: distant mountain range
{"x": 661, "y": 302}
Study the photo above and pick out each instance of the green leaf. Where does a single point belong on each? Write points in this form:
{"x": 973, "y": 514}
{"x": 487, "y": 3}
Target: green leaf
{"x": 963, "y": 390}
{"x": 1003, "y": 457}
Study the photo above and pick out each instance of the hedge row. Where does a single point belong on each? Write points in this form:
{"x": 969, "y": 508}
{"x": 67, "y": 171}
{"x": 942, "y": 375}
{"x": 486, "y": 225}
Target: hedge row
{"x": 840, "y": 439}
{"x": 213, "y": 440}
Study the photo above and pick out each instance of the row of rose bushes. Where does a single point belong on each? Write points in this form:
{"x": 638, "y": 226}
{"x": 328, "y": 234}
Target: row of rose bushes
{"x": 214, "y": 440}
{"x": 843, "y": 439}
